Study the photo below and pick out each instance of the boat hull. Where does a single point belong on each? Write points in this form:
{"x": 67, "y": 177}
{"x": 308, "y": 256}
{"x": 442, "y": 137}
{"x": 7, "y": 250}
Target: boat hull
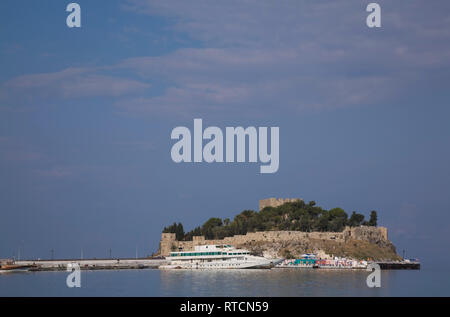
{"x": 220, "y": 265}
{"x": 14, "y": 268}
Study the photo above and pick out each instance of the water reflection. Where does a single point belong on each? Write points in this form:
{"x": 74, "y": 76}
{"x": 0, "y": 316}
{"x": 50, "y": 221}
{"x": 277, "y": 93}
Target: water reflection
{"x": 275, "y": 282}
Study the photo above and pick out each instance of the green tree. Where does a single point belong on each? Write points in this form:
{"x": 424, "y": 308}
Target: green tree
{"x": 322, "y": 222}
{"x": 208, "y": 227}
{"x": 177, "y": 229}
{"x": 337, "y": 220}
{"x": 179, "y": 232}
{"x": 196, "y": 232}
{"x": 355, "y": 219}
{"x": 373, "y": 219}
{"x": 290, "y": 216}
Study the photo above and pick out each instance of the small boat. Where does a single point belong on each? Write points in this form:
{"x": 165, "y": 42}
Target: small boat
{"x": 8, "y": 266}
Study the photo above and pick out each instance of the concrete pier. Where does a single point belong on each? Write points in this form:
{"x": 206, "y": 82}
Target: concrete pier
{"x": 146, "y": 263}
{"x": 93, "y": 264}
{"x": 399, "y": 265}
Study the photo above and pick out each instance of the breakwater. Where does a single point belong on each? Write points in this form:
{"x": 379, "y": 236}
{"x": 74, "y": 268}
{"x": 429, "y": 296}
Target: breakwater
{"x": 404, "y": 265}
{"x": 127, "y": 264}
{"x": 93, "y": 264}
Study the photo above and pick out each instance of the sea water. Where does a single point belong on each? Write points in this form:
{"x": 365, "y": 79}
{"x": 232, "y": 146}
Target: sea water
{"x": 275, "y": 282}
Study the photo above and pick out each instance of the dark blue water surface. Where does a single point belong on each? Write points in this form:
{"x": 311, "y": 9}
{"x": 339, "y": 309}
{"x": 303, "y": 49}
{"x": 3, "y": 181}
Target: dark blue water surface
{"x": 275, "y": 282}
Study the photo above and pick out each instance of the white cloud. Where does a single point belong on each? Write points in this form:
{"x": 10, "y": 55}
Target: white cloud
{"x": 290, "y": 55}
{"x": 67, "y": 84}
{"x": 260, "y": 57}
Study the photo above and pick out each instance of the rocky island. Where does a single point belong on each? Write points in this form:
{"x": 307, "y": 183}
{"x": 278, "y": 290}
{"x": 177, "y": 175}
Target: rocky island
{"x": 289, "y": 228}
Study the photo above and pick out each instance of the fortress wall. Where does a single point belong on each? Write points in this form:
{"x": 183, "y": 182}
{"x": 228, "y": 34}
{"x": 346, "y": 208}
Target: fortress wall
{"x": 275, "y": 202}
{"x": 370, "y": 234}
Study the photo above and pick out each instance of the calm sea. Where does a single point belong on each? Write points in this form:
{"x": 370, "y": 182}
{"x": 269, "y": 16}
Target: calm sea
{"x": 275, "y": 282}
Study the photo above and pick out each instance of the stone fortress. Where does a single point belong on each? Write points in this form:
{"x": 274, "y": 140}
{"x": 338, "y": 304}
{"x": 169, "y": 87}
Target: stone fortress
{"x": 276, "y": 240}
{"x": 275, "y": 202}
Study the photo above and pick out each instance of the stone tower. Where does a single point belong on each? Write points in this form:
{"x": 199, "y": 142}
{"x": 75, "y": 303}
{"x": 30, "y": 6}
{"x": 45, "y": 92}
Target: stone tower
{"x": 167, "y": 241}
{"x": 275, "y": 202}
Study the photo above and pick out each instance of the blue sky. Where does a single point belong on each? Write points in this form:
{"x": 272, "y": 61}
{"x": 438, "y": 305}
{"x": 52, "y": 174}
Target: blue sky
{"x": 86, "y": 116}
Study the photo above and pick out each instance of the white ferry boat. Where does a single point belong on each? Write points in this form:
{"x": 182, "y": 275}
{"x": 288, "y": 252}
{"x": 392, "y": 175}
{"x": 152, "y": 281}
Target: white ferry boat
{"x": 216, "y": 257}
